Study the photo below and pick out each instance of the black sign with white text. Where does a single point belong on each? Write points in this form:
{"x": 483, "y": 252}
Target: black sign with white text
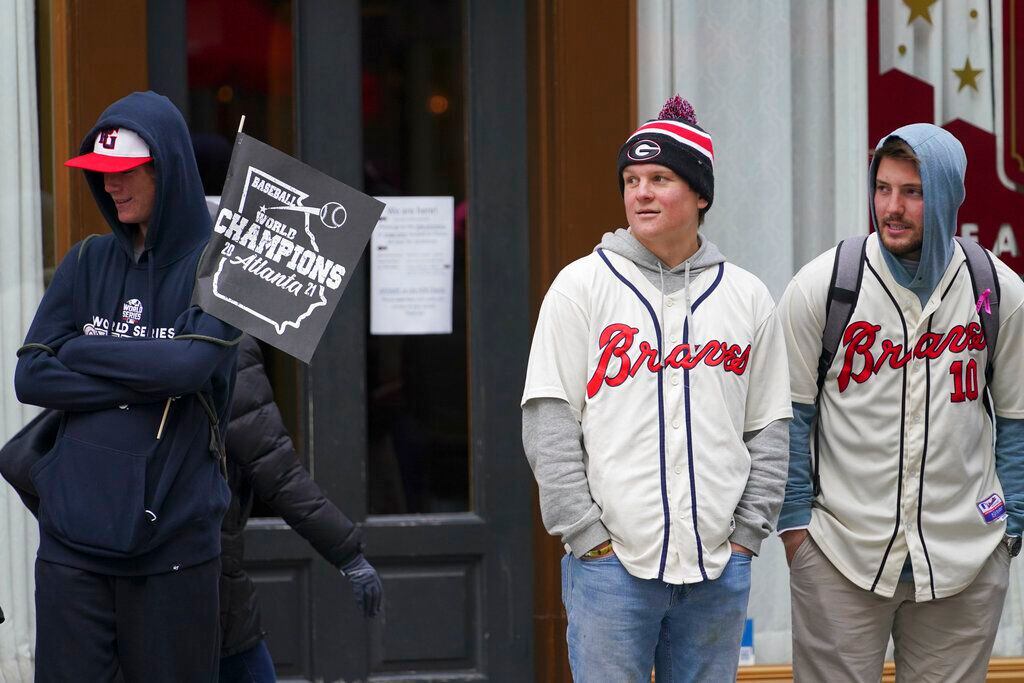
{"x": 285, "y": 242}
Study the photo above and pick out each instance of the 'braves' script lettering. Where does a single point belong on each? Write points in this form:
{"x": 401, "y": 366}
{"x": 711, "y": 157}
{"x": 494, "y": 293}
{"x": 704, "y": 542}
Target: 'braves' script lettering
{"x": 615, "y": 364}
{"x": 861, "y": 364}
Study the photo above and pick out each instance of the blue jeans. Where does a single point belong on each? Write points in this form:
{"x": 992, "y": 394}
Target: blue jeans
{"x": 251, "y": 666}
{"x": 620, "y": 626}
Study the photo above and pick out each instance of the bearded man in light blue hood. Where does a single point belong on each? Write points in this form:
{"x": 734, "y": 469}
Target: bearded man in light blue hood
{"x": 904, "y": 520}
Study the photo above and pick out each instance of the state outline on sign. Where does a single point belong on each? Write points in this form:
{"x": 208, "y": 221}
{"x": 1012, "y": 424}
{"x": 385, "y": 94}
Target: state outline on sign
{"x": 279, "y": 327}
{"x": 300, "y": 196}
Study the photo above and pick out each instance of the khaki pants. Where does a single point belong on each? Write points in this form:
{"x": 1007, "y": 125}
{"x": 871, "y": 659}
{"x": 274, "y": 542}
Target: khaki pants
{"x": 840, "y": 631}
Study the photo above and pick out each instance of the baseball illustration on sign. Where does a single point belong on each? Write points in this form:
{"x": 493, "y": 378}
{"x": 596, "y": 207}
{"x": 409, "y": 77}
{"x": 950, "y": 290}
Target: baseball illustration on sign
{"x": 286, "y": 238}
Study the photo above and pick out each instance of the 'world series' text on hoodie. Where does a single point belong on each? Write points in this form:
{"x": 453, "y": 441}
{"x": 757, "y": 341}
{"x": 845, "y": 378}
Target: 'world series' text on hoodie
{"x": 112, "y": 341}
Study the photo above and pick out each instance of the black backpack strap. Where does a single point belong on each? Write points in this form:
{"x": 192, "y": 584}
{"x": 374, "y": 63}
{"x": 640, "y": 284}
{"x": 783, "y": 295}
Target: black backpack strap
{"x": 843, "y": 292}
{"x": 199, "y": 263}
{"x": 984, "y": 279}
{"x": 81, "y": 249}
{"x": 217, "y": 449}
{"x": 79, "y": 291}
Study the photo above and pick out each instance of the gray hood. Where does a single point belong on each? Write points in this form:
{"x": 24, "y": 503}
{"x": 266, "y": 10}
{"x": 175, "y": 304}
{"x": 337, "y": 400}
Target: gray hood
{"x": 943, "y": 164}
{"x": 667, "y": 280}
{"x": 623, "y": 243}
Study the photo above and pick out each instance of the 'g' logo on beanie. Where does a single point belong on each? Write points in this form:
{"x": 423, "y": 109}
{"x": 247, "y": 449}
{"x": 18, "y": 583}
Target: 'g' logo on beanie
{"x": 644, "y": 150}
{"x": 676, "y": 141}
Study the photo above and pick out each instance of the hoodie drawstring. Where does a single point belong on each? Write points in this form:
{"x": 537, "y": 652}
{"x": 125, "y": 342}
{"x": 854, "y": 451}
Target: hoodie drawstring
{"x": 661, "y": 351}
{"x": 688, "y": 313}
{"x": 148, "y": 315}
{"x": 150, "y": 312}
{"x": 149, "y": 320}
{"x": 687, "y": 318}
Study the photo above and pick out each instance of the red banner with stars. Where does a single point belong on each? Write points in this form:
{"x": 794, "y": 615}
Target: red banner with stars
{"x": 960, "y": 68}
{"x": 1013, "y": 93}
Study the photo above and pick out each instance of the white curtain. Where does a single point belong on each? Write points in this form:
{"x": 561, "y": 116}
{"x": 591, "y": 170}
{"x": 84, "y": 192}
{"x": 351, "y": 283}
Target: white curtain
{"x": 782, "y": 88}
{"x": 21, "y": 286}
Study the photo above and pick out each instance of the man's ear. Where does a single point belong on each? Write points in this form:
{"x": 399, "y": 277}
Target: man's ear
{"x": 702, "y": 203}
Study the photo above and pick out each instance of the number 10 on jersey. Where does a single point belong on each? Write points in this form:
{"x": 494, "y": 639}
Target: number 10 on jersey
{"x": 965, "y": 381}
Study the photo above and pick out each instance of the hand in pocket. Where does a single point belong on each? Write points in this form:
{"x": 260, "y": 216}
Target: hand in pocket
{"x": 793, "y": 540}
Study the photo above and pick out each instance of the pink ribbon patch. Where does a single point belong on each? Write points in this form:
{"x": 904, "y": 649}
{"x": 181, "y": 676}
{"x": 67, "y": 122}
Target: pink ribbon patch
{"x": 983, "y": 301}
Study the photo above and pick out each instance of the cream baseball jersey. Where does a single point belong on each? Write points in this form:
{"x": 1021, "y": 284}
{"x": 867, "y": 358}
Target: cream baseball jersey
{"x": 906, "y": 460}
{"x": 663, "y": 402}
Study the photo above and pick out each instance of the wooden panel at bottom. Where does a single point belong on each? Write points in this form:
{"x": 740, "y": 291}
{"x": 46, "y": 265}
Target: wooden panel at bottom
{"x": 284, "y": 595}
{"x": 430, "y": 617}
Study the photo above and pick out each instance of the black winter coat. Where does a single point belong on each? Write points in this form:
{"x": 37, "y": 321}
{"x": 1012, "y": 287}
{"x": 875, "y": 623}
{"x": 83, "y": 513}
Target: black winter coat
{"x": 262, "y": 464}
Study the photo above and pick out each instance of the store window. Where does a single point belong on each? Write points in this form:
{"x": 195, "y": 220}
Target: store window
{"x": 414, "y": 137}
{"x": 227, "y": 80}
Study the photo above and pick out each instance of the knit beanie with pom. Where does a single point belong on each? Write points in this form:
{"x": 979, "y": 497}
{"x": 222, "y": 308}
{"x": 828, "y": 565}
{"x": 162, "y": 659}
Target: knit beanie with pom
{"x": 674, "y": 140}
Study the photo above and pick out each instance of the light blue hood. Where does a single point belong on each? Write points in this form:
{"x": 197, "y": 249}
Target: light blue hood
{"x": 942, "y": 165}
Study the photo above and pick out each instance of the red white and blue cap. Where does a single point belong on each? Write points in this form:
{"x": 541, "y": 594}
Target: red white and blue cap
{"x": 676, "y": 141}
{"x": 115, "y": 150}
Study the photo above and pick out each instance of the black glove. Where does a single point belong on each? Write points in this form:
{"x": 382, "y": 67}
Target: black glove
{"x": 366, "y": 586}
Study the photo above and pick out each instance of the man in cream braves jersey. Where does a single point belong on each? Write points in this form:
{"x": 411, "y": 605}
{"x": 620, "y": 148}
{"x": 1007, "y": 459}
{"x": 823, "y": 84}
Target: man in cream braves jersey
{"x": 654, "y": 418}
{"x": 909, "y": 522}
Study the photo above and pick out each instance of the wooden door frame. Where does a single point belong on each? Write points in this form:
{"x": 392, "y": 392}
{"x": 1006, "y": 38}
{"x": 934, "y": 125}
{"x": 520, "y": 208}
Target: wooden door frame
{"x": 82, "y": 71}
{"x": 577, "y": 123}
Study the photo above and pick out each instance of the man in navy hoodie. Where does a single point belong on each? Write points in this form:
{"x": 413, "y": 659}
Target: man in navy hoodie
{"x": 133, "y": 492}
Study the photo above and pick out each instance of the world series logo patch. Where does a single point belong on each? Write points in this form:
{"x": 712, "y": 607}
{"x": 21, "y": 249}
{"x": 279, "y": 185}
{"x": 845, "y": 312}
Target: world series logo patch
{"x": 132, "y": 311}
{"x": 992, "y": 509}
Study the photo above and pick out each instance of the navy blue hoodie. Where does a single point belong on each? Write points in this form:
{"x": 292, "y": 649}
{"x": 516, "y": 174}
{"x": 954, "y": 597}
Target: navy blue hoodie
{"x": 116, "y": 344}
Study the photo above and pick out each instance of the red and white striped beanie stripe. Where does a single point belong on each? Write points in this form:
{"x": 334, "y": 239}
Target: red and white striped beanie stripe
{"x": 682, "y": 133}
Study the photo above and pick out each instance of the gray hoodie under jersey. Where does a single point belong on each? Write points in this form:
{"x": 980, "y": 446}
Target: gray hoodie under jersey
{"x": 553, "y": 438}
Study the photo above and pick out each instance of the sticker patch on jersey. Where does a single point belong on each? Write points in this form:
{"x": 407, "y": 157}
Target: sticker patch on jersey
{"x": 132, "y": 311}
{"x": 992, "y": 509}
{"x": 984, "y": 301}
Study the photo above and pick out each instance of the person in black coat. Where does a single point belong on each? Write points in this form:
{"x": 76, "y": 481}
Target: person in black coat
{"x": 261, "y": 463}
